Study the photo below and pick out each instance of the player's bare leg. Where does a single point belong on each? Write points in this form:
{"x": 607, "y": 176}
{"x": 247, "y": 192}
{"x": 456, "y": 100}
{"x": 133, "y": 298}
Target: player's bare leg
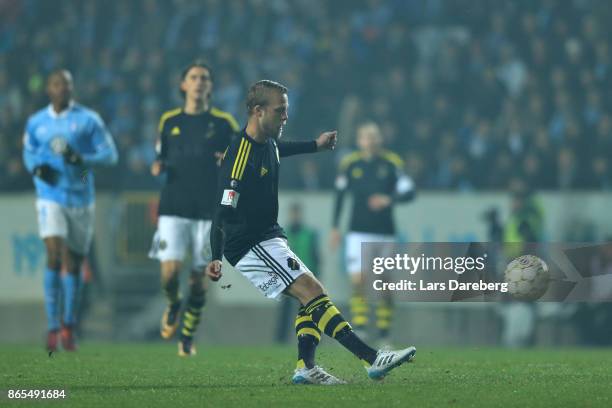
{"x": 52, "y": 286}
{"x": 71, "y": 284}
{"x": 310, "y": 292}
{"x": 192, "y": 313}
{"x": 170, "y": 271}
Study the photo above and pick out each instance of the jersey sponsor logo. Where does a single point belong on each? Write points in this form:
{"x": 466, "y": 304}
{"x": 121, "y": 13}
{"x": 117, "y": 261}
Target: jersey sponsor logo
{"x": 263, "y": 171}
{"x": 357, "y": 173}
{"x": 175, "y": 131}
{"x": 293, "y": 264}
{"x": 230, "y": 198}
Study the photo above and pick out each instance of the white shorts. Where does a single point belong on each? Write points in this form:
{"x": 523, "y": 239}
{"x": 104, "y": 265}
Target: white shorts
{"x": 353, "y": 248}
{"x": 175, "y": 235}
{"x": 271, "y": 267}
{"x": 74, "y": 224}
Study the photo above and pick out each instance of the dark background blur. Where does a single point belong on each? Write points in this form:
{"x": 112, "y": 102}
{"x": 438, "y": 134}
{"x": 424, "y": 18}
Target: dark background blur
{"x": 471, "y": 93}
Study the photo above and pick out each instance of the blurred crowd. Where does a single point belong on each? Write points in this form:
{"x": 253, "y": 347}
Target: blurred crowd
{"x": 471, "y": 93}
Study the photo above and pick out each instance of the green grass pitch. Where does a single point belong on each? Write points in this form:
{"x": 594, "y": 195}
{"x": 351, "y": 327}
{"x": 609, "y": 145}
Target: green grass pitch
{"x": 149, "y": 375}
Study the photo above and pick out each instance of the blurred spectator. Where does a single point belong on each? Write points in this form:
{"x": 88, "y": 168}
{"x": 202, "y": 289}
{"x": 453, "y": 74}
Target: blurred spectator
{"x": 520, "y": 86}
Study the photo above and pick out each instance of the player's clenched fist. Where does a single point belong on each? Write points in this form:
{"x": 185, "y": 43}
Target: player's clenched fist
{"x": 213, "y": 270}
{"x": 327, "y": 140}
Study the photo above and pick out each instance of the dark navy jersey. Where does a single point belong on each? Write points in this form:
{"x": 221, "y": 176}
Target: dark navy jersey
{"x": 247, "y": 195}
{"x": 364, "y": 177}
{"x": 187, "y": 148}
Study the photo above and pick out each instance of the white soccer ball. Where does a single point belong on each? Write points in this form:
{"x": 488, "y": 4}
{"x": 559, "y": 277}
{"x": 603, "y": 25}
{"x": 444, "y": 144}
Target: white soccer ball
{"x": 527, "y": 277}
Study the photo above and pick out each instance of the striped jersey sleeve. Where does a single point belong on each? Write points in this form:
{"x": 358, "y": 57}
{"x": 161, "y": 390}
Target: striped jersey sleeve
{"x": 232, "y": 171}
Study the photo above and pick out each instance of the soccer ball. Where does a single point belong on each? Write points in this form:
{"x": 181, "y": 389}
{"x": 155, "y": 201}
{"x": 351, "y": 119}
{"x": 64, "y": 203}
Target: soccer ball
{"x": 527, "y": 277}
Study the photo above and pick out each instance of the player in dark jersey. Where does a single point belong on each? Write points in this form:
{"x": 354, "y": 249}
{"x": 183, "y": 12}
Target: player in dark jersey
{"x": 375, "y": 177}
{"x": 246, "y": 231}
{"x": 192, "y": 140}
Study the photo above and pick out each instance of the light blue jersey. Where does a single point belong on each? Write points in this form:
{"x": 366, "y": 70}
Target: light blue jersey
{"x": 85, "y": 132}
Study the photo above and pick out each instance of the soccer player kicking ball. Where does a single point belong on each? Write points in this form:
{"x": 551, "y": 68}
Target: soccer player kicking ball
{"x": 246, "y": 231}
{"x": 61, "y": 144}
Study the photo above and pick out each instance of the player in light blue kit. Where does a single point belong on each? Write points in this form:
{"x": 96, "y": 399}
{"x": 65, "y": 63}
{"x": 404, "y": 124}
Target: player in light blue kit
{"x": 61, "y": 143}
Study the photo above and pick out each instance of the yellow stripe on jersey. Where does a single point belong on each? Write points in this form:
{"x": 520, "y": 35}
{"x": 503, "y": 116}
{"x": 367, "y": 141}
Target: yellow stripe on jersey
{"x": 393, "y": 158}
{"x": 167, "y": 115}
{"x": 227, "y": 116}
{"x": 244, "y": 161}
{"x": 241, "y": 159}
{"x": 238, "y": 157}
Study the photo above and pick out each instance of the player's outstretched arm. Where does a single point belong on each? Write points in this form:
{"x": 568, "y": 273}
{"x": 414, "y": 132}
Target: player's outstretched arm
{"x": 325, "y": 141}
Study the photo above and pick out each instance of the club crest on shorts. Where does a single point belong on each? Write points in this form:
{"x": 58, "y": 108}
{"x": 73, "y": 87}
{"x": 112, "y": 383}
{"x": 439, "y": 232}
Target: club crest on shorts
{"x": 293, "y": 264}
{"x": 162, "y": 245}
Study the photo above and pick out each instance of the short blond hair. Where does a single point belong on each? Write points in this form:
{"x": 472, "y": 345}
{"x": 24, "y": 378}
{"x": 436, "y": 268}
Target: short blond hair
{"x": 259, "y": 93}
